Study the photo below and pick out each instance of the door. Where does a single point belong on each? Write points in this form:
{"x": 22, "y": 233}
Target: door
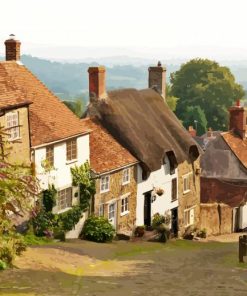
{"x": 112, "y": 214}
{"x": 174, "y": 222}
{"x": 147, "y": 208}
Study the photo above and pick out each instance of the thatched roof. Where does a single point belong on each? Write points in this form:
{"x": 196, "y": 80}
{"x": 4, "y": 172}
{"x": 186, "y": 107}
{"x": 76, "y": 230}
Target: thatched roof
{"x": 143, "y": 123}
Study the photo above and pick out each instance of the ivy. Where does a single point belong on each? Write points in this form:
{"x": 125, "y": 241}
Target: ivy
{"x": 49, "y": 198}
{"x": 81, "y": 177}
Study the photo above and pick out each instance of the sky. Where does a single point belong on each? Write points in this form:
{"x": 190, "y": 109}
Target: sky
{"x": 140, "y": 28}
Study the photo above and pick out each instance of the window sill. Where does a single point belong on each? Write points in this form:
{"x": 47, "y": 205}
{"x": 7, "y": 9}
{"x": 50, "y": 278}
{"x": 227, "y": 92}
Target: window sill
{"x": 16, "y": 139}
{"x": 71, "y": 161}
{"x": 63, "y": 210}
{"x": 104, "y": 191}
{"x": 124, "y": 213}
{"x": 186, "y": 191}
{"x": 125, "y": 183}
{"x": 173, "y": 200}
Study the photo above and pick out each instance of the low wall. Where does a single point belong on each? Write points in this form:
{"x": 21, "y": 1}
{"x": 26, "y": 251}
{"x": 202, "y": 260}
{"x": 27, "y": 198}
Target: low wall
{"x": 216, "y": 218}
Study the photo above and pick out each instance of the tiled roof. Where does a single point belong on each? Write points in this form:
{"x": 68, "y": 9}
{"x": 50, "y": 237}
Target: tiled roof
{"x": 237, "y": 145}
{"x": 106, "y": 153}
{"x": 50, "y": 119}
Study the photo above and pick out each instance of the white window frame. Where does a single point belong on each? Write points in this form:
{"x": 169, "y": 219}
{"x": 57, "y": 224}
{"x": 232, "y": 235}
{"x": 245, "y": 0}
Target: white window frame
{"x": 124, "y": 206}
{"x": 111, "y": 211}
{"x": 12, "y": 125}
{"x": 189, "y": 216}
{"x": 105, "y": 183}
{"x": 68, "y": 206}
{"x": 187, "y": 178}
{"x": 126, "y": 176}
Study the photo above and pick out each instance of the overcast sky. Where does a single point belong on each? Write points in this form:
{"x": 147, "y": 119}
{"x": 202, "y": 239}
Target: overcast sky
{"x": 145, "y": 28}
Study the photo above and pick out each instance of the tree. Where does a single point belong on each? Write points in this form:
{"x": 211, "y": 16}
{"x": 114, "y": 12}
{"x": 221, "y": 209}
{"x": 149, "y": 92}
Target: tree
{"x": 76, "y": 106}
{"x": 206, "y": 84}
{"x": 195, "y": 116}
{"x": 17, "y": 188}
{"x": 170, "y": 99}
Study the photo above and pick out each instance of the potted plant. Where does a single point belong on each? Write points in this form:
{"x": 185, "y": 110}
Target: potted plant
{"x": 139, "y": 231}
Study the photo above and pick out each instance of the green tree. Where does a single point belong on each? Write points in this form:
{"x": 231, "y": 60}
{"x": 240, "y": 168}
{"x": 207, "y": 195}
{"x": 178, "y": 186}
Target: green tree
{"x": 206, "y": 84}
{"x": 170, "y": 99}
{"x": 195, "y": 116}
{"x": 76, "y": 106}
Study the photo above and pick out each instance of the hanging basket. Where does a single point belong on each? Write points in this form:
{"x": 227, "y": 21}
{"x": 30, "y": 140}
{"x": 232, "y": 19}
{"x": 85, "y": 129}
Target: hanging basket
{"x": 159, "y": 191}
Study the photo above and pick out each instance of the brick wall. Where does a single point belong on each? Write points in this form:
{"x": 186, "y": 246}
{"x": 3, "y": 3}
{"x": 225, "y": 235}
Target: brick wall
{"x": 127, "y": 222}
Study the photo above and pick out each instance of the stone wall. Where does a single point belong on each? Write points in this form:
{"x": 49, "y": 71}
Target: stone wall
{"x": 191, "y": 198}
{"x": 124, "y": 223}
{"x": 19, "y": 150}
{"x": 216, "y": 218}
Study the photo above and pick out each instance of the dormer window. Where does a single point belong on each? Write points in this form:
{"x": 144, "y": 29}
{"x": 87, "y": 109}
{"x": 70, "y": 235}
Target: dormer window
{"x": 12, "y": 125}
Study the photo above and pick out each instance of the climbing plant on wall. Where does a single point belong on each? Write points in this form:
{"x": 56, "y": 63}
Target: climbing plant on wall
{"x": 81, "y": 177}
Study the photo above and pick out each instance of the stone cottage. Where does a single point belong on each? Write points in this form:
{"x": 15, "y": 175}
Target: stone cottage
{"x": 167, "y": 174}
{"x": 114, "y": 170}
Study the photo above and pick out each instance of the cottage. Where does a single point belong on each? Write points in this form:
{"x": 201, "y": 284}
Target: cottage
{"x": 142, "y": 122}
{"x": 114, "y": 170}
{"x": 224, "y": 177}
{"x": 42, "y": 130}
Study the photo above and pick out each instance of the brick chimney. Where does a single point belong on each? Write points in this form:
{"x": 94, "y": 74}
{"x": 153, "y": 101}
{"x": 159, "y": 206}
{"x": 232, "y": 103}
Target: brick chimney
{"x": 97, "y": 82}
{"x": 237, "y": 122}
{"x": 12, "y": 48}
{"x": 192, "y": 131}
{"x": 157, "y": 79}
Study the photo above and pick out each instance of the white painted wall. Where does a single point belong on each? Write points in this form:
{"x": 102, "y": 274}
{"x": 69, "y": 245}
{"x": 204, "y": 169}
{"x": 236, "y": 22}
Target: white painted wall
{"x": 160, "y": 178}
{"x": 61, "y": 175}
{"x": 243, "y": 217}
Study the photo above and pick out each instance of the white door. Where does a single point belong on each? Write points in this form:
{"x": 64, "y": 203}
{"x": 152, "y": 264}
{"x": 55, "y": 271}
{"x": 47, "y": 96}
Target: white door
{"x": 112, "y": 214}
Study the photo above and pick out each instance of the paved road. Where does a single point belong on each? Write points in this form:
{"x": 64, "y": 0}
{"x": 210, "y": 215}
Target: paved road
{"x": 125, "y": 268}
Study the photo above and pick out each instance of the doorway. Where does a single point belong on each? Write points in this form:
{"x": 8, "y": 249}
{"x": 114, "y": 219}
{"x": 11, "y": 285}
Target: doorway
{"x": 112, "y": 214}
{"x": 174, "y": 222}
{"x": 147, "y": 209}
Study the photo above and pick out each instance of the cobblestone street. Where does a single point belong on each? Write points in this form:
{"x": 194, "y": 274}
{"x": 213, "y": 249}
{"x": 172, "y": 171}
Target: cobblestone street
{"x": 127, "y": 268}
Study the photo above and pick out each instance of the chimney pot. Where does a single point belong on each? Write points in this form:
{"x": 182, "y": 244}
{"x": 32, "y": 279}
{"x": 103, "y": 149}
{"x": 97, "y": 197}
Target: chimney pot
{"x": 12, "y": 48}
{"x": 237, "y": 120}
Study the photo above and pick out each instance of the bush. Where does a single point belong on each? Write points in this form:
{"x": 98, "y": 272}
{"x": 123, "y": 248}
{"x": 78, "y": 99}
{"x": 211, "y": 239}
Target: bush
{"x": 163, "y": 232}
{"x": 157, "y": 220}
{"x": 49, "y": 198}
{"x": 202, "y": 233}
{"x": 11, "y": 244}
{"x": 43, "y": 222}
{"x": 190, "y": 232}
{"x": 98, "y": 229}
{"x": 70, "y": 218}
{"x": 3, "y": 265}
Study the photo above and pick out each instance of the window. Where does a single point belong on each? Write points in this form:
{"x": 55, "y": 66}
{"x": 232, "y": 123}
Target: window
{"x": 189, "y": 216}
{"x": 174, "y": 189}
{"x": 126, "y": 176}
{"x": 50, "y": 155}
{"x": 124, "y": 205}
{"x": 105, "y": 183}
{"x": 71, "y": 150}
{"x": 186, "y": 183}
{"x": 64, "y": 198}
{"x": 101, "y": 210}
{"x": 12, "y": 124}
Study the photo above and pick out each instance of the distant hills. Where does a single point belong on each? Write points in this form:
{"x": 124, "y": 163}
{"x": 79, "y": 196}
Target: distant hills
{"x": 69, "y": 80}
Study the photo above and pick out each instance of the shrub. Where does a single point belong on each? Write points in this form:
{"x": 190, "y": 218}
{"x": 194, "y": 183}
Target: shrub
{"x": 49, "y": 198}
{"x": 3, "y": 265}
{"x": 98, "y": 229}
{"x": 139, "y": 231}
{"x": 202, "y": 233}
{"x": 163, "y": 232}
{"x": 70, "y": 218}
{"x": 157, "y": 220}
{"x": 11, "y": 244}
{"x": 189, "y": 232}
{"x": 43, "y": 221}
